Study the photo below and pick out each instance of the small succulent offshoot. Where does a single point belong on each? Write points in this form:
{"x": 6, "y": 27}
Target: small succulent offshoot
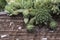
{"x": 30, "y": 27}
{"x": 53, "y": 25}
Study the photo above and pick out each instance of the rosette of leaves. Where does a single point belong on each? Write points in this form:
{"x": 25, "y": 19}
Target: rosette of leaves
{"x": 2, "y": 4}
{"x": 43, "y": 16}
{"x": 53, "y": 24}
{"x": 24, "y": 4}
{"x": 42, "y": 3}
{"x": 51, "y": 5}
{"x": 27, "y": 3}
{"x": 15, "y": 5}
{"x": 12, "y": 8}
{"x": 55, "y": 9}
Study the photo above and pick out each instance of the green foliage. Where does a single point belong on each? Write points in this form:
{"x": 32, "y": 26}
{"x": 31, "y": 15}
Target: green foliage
{"x": 7, "y": 1}
{"x": 15, "y": 5}
{"x": 51, "y": 5}
{"x": 55, "y": 9}
{"x": 2, "y": 4}
{"x": 26, "y": 13}
{"x": 43, "y": 16}
{"x": 53, "y": 24}
{"x": 34, "y": 11}
{"x": 32, "y": 20}
{"x": 12, "y": 8}
{"x": 30, "y": 27}
{"x": 26, "y": 20}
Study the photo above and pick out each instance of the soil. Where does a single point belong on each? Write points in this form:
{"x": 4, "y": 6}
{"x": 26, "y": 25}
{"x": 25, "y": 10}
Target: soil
{"x": 13, "y": 28}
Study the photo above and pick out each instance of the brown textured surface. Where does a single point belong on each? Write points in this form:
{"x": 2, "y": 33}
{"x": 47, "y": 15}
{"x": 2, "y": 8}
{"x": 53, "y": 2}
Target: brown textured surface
{"x": 9, "y": 26}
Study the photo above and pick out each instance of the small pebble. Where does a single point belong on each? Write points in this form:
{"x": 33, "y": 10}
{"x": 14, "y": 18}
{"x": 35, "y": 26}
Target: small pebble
{"x": 44, "y": 39}
{"x": 20, "y": 27}
{"x": 11, "y": 23}
{"x": 17, "y": 39}
{"x": 2, "y": 36}
{"x": 51, "y": 31}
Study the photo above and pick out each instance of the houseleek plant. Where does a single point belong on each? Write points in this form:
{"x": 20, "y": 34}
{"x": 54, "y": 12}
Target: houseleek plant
{"x": 34, "y": 11}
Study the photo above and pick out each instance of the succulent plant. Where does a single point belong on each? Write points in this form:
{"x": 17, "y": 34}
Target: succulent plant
{"x": 30, "y": 28}
{"x": 53, "y": 24}
{"x": 43, "y": 16}
{"x": 34, "y": 11}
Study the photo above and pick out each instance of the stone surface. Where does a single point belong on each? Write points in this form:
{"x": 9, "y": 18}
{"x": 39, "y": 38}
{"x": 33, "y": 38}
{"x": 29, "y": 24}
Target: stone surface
{"x": 14, "y": 27}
